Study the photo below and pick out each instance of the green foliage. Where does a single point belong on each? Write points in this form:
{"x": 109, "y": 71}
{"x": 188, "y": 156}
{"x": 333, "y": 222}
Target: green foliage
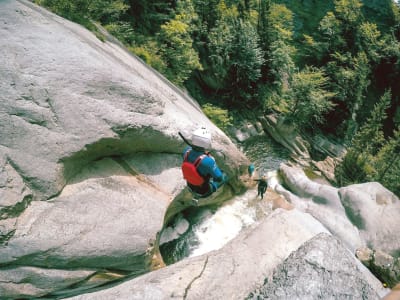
{"x": 82, "y": 11}
{"x": 281, "y": 19}
{"x": 330, "y": 39}
{"x": 123, "y": 31}
{"x": 236, "y": 58}
{"x": 282, "y": 65}
{"x": 177, "y": 46}
{"x": 148, "y": 15}
{"x": 106, "y": 11}
{"x": 353, "y": 168}
{"x": 76, "y": 11}
{"x": 349, "y": 81}
{"x": 370, "y": 138}
{"x": 281, "y": 51}
{"x": 246, "y": 58}
{"x": 221, "y": 39}
{"x": 387, "y": 164}
{"x": 220, "y": 117}
{"x": 309, "y": 99}
{"x": 348, "y": 11}
{"x": 148, "y": 52}
{"x": 368, "y": 40}
{"x": 370, "y": 154}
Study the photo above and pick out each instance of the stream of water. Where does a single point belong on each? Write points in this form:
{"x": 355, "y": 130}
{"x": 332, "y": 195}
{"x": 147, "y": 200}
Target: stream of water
{"x": 199, "y": 230}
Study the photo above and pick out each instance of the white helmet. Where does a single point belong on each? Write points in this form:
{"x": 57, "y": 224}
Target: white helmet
{"x": 201, "y": 138}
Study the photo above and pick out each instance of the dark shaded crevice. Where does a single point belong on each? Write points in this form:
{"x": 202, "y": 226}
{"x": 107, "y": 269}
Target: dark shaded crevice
{"x": 127, "y": 142}
{"x": 4, "y": 238}
{"x": 15, "y": 210}
{"x": 84, "y": 286}
{"x": 125, "y": 165}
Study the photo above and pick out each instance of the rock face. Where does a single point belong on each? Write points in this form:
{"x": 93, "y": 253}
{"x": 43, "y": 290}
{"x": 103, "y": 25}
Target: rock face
{"x": 360, "y": 215}
{"x": 285, "y": 238}
{"x": 89, "y": 156}
{"x": 288, "y": 137}
{"x": 320, "y": 269}
{"x": 375, "y": 211}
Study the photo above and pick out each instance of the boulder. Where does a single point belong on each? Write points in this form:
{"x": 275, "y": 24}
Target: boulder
{"x": 359, "y": 214}
{"x": 375, "y": 211}
{"x": 322, "y": 268}
{"x": 322, "y": 202}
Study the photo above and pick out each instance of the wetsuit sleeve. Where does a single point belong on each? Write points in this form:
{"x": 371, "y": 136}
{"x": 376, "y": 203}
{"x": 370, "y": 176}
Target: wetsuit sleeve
{"x": 209, "y": 167}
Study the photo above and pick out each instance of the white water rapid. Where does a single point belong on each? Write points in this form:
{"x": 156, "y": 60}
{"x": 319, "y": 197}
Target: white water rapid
{"x": 203, "y": 229}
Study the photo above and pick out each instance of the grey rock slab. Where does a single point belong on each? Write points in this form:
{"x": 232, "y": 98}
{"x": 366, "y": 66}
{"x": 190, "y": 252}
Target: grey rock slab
{"x": 31, "y": 282}
{"x": 101, "y": 222}
{"x": 322, "y": 268}
{"x": 228, "y": 273}
{"x": 287, "y": 136}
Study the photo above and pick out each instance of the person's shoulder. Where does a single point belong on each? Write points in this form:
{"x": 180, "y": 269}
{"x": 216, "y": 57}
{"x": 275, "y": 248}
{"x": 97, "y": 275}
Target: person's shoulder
{"x": 208, "y": 160}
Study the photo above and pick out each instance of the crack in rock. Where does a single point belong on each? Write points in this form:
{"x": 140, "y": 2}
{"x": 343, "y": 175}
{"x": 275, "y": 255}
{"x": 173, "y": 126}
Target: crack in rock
{"x": 195, "y": 278}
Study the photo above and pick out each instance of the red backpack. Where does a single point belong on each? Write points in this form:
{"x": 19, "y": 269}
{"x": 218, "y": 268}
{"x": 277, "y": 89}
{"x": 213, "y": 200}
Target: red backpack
{"x": 190, "y": 172}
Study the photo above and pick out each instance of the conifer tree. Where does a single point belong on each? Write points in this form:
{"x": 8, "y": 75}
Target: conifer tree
{"x": 359, "y": 163}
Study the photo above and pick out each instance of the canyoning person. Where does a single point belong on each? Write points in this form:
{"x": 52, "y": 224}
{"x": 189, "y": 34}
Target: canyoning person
{"x": 262, "y": 186}
{"x": 199, "y": 168}
{"x": 251, "y": 170}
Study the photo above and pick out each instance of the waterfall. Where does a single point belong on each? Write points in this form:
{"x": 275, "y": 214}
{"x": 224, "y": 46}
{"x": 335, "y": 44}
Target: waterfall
{"x": 199, "y": 230}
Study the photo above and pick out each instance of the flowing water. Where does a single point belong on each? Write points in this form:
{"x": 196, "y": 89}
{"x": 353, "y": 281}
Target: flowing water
{"x": 199, "y": 230}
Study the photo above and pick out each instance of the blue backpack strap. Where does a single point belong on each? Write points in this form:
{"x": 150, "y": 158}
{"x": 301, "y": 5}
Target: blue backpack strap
{"x": 186, "y": 154}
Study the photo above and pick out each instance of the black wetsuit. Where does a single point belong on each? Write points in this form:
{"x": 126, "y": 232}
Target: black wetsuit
{"x": 262, "y": 187}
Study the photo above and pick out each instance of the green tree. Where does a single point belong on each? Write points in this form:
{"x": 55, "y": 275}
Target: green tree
{"x": 219, "y": 116}
{"x": 330, "y": 38}
{"x": 337, "y": 31}
{"x": 348, "y": 12}
{"x": 246, "y": 60}
{"x": 106, "y": 11}
{"x": 82, "y": 11}
{"x": 177, "y": 45}
{"x": 309, "y": 99}
{"x": 220, "y": 45}
{"x": 370, "y": 137}
{"x": 359, "y": 163}
{"x": 369, "y": 41}
{"x": 147, "y": 16}
{"x": 281, "y": 63}
{"x": 387, "y": 164}
{"x": 264, "y": 32}
{"x": 349, "y": 81}
{"x": 235, "y": 56}
{"x": 208, "y": 12}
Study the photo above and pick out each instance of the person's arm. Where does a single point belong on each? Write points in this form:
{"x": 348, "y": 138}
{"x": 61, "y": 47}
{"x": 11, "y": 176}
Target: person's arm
{"x": 209, "y": 167}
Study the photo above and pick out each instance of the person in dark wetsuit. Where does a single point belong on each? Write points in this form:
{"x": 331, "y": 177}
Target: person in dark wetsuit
{"x": 262, "y": 186}
{"x": 207, "y": 167}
